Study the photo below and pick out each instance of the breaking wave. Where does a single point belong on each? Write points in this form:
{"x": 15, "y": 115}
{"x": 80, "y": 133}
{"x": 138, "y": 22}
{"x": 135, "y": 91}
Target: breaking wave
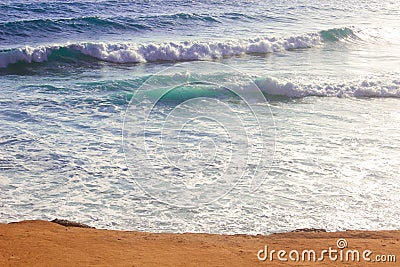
{"x": 153, "y": 52}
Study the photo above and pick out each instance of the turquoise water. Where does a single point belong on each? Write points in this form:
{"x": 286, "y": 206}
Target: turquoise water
{"x": 316, "y": 84}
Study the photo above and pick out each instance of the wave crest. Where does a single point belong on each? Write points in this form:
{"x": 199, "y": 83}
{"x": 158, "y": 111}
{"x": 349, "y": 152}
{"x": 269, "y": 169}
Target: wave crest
{"x": 171, "y": 51}
{"x": 362, "y": 88}
{"x": 194, "y": 50}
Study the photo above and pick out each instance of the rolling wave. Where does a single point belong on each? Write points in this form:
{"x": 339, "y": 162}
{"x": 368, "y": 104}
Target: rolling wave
{"x": 39, "y": 26}
{"x": 273, "y": 88}
{"x": 153, "y": 52}
{"x": 276, "y": 89}
{"x": 373, "y": 87}
{"x": 33, "y": 27}
{"x": 186, "y": 50}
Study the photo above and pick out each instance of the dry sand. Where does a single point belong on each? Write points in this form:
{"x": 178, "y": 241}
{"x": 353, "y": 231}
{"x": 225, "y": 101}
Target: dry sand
{"x": 41, "y": 243}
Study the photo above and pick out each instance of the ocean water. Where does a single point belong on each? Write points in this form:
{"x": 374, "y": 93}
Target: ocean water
{"x": 201, "y": 116}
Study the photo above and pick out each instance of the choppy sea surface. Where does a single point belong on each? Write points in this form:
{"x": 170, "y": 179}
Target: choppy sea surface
{"x": 72, "y": 143}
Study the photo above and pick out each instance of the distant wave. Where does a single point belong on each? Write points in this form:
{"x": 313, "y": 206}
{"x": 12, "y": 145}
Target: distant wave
{"x": 34, "y": 27}
{"x": 338, "y": 34}
{"x": 169, "y": 51}
{"x": 182, "y": 16}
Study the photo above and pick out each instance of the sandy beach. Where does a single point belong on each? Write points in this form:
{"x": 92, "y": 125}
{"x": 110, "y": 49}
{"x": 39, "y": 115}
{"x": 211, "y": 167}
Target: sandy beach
{"x": 42, "y": 243}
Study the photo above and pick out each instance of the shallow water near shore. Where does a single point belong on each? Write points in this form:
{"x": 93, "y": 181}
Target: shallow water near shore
{"x": 330, "y": 76}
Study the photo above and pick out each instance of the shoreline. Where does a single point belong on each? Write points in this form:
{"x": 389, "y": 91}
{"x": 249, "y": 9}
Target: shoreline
{"x": 43, "y": 243}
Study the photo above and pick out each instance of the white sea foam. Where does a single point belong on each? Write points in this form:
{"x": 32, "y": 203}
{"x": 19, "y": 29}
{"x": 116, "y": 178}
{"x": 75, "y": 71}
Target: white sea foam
{"x": 193, "y": 50}
{"x": 372, "y": 86}
{"x": 356, "y": 88}
{"x": 27, "y": 54}
{"x": 168, "y": 51}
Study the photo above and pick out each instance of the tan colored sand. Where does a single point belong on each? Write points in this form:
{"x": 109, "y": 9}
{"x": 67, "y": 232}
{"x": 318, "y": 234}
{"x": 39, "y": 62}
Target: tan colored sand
{"x": 40, "y": 243}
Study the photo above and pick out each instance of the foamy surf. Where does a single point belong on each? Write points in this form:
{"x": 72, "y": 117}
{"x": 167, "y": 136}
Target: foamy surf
{"x": 168, "y": 51}
{"x": 195, "y": 50}
{"x": 272, "y": 86}
{"x": 354, "y": 88}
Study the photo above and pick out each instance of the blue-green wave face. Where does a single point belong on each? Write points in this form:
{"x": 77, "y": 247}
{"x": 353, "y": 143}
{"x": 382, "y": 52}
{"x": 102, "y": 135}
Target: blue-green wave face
{"x": 183, "y": 93}
{"x": 338, "y": 34}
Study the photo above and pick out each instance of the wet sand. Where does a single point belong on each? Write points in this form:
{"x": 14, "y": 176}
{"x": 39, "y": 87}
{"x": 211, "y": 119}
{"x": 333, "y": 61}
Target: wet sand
{"x": 41, "y": 243}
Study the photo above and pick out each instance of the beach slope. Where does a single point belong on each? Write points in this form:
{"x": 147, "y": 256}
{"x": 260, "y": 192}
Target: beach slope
{"x": 42, "y": 243}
